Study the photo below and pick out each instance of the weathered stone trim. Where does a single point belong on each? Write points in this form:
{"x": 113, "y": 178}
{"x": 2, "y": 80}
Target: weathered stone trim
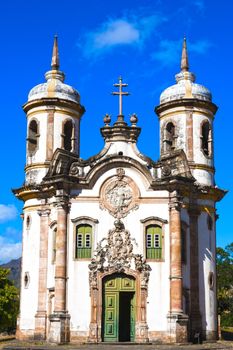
{"x": 41, "y": 315}
{"x": 195, "y": 315}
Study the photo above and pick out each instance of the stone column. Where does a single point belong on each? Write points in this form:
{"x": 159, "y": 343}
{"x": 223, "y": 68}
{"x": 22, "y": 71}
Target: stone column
{"x": 41, "y": 315}
{"x": 195, "y": 316}
{"x": 59, "y": 320}
{"x": 176, "y": 318}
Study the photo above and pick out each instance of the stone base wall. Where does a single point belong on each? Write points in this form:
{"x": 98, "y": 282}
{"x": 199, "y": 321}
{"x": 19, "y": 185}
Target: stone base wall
{"x": 79, "y": 337}
{"x": 25, "y": 334}
{"x": 159, "y": 337}
{"x": 59, "y": 331}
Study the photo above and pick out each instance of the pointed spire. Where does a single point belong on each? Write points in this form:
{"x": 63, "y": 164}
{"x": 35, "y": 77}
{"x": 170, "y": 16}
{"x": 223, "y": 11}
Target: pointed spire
{"x": 184, "y": 59}
{"x": 55, "y": 55}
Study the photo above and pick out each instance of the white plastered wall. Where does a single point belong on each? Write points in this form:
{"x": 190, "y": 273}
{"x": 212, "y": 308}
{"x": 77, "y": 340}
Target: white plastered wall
{"x": 78, "y": 272}
{"x": 30, "y": 264}
{"x": 207, "y": 294}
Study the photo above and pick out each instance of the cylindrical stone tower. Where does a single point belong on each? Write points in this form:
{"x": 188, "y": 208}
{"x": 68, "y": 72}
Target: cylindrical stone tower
{"x": 186, "y": 114}
{"x": 53, "y": 121}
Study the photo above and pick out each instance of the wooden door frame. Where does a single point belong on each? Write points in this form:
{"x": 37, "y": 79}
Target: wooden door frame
{"x": 141, "y": 328}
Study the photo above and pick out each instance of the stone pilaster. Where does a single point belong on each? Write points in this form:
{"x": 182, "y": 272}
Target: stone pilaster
{"x": 176, "y": 318}
{"x": 41, "y": 315}
{"x": 195, "y": 316}
{"x": 141, "y": 327}
{"x": 60, "y": 320}
{"x": 189, "y": 135}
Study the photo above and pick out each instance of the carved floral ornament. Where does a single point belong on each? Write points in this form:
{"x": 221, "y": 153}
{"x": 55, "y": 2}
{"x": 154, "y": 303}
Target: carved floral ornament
{"x": 119, "y": 195}
{"x": 115, "y": 254}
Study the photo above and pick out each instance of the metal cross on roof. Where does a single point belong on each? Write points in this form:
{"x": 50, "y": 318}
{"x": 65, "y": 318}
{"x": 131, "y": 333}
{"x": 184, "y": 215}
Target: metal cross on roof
{"x": 120, "y": 93}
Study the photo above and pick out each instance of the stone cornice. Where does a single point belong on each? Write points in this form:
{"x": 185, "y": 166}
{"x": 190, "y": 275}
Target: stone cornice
{"x": 54, "y": 101}
{"x": 186, "y": 102}
{"x": 120, "y": 132}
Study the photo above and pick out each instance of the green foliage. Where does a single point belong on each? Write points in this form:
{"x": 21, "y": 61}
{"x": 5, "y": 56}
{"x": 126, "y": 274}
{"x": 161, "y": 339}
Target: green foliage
{"x": 224, "y": 261}
{"x": 9, "y": 302}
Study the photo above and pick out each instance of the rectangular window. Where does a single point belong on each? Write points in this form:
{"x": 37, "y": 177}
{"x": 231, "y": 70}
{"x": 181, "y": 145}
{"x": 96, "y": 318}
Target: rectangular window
{"x": 154, "y": 242}
{"x": 83, "y": 242}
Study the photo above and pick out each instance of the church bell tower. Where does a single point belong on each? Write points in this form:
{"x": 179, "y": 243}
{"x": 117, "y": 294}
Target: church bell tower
{"x": 53, "y": 120}
{"x": 186, "y": 115}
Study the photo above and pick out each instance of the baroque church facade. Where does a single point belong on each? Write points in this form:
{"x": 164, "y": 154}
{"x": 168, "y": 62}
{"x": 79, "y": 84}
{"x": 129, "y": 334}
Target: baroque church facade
{"x": 119, "y": 247}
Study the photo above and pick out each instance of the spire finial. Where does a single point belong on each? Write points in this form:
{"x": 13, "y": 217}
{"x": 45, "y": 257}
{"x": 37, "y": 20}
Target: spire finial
{"x": 184, "y": 58}
{"x": 55, "y": 55}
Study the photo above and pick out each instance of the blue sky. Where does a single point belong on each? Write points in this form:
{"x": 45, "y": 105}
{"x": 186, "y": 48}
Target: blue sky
{"x": 98, "y": 41}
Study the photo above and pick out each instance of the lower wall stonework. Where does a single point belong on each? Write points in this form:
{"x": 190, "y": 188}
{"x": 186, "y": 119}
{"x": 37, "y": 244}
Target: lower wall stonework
{"x": 159, "y": 337}
{"x": 25, "y": 334}
{"x": 78, "y": 337}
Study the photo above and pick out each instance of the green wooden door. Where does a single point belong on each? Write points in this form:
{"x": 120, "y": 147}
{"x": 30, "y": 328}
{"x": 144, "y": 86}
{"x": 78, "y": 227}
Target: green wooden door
{"x": 111, "y": 317}
{"x": 132, "y": 317}
{"x": 118, "y": 289}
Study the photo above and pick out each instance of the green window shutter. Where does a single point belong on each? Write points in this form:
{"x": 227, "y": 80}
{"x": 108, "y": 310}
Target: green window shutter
{"x": 83, "y": 241}
{"x": 154, "y": 242}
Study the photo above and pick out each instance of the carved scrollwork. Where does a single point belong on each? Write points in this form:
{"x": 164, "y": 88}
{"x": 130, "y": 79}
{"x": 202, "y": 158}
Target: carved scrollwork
{"x": 74, "y": 169}
{"x": 115, "y": 253}
{"x": 166, "y": 170}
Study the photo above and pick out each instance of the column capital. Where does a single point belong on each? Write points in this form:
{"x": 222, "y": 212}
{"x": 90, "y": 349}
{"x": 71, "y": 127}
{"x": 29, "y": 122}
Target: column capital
{"x": 43, "y": 212}
{"x": 175, "y": 201}
{"x": 62, "y": 203}
{"x": 62, "y": 200}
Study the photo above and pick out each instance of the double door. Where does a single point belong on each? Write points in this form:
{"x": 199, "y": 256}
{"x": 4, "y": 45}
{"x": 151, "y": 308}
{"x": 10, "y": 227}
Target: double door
{"x": 119, "y": 309}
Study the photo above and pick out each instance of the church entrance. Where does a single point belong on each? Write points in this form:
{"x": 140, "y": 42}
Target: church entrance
{"x": 118, "y": 319}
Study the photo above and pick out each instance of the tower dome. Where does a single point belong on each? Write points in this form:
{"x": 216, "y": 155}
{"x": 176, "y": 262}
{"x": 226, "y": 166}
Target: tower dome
{"x": 185, "y": 86}
{"x": 54, "y": 87}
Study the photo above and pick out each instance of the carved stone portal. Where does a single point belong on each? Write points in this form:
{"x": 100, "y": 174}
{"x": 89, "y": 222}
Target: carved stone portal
{"x": 119, "y": 195}
{"x": 115, "y": 254}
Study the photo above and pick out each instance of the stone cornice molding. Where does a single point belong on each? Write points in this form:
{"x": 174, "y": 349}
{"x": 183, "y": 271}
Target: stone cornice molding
{"x": 47, "y": 102}
{"x": 120, "y": 132}
{"x": 44, "y": 212}
{"x": 84, "y": 218}
{"x": 186, "y": 102}
{"x": 154, "y": 218}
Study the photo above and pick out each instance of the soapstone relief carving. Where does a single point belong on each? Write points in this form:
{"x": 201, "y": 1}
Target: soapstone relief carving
{"x": 115, "y": 253}
{"x": 119, "y": 195}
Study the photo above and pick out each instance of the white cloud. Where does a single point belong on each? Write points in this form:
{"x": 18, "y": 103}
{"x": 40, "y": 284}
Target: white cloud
{"x": 8, "y": 212}
{"x": 115, "y": 33}
{"x": 132, "y": 30}
{"x": 9, "y": 250}
{"x": 169, "y": 51}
